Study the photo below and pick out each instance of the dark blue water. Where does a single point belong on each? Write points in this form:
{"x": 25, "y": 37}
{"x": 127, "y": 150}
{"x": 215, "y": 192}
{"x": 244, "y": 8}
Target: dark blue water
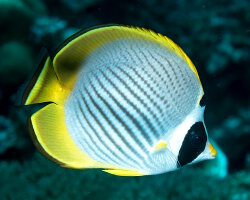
{"x": 216, "y": 37}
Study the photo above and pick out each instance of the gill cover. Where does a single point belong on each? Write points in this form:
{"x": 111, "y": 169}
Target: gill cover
{"x": 54, "y": 84}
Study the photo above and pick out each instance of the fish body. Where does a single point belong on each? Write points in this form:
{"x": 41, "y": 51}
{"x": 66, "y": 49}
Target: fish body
{"x": 123, "y": 99}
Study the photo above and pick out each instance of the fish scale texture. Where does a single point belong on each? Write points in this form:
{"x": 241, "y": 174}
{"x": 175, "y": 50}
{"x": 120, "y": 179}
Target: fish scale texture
{"x": 128, "y": 95}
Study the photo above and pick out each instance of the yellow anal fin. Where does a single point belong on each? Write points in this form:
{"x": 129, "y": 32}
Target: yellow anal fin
{"x": 51, "y": 136}
{"x": 122, "y": 172}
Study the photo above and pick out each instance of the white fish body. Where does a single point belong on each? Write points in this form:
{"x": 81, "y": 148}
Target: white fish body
{"x": 133, "y": 101}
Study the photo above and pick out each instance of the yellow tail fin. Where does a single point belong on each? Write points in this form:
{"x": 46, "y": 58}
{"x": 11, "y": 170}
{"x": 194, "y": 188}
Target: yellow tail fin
{"x": 51, "y": 137}
{"x": 48, "y": 127}
{"x": 44, "y": 86}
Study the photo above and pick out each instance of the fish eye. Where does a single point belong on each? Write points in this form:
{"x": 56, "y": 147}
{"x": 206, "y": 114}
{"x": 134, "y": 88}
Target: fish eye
{"x": 193, "y": 144}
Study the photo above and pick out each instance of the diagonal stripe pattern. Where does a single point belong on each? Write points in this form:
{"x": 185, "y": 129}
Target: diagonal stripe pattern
{"x": 128, "y": 95}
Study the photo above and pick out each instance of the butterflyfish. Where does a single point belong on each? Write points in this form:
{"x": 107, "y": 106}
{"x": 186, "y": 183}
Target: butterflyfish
{"x": 122, "y": 99}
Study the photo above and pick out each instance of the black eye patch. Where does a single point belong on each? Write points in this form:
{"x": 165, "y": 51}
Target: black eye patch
{"x": 193, "y": 144}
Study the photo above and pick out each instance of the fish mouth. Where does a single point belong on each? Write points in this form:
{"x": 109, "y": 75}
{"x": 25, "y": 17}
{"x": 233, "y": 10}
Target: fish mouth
{"x": 213, "y": 151}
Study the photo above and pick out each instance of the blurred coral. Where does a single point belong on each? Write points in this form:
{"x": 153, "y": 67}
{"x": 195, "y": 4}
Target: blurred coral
{"x": 215, "y": 35}
{"x": 7, "y": 138}
{"x": 41, "y": 179}
{"x": 16, "y": 64}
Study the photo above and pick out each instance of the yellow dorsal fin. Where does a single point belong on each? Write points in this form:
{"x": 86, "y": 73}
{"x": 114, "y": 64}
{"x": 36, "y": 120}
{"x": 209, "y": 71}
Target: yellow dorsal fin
{"x": 122, "y": 172}
{"x": 160, "y": 145}
{"x": 55, "y": 82}
{"x": 68, "y": 59}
